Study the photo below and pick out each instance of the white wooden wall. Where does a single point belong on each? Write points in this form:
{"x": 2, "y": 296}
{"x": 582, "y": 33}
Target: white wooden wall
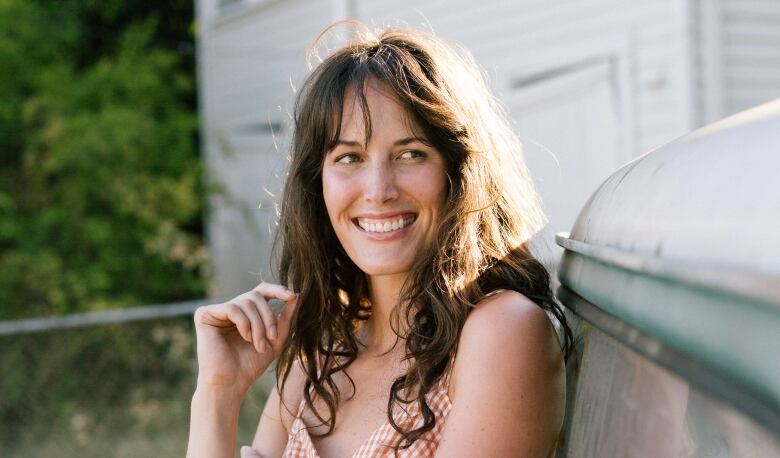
{"x": 589, "y": 84}
{"x": 751, "y": 48}
{"x": 740, "y": 55}
{"x": 250, "y": 58}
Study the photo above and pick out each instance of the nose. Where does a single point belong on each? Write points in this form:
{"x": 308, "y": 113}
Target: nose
{"x": 379, "y": 186}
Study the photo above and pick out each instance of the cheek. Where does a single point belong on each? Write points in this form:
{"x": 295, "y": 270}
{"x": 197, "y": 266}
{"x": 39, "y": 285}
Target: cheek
{"x": 431, "y": 190}
{"x": 335, "y": 193}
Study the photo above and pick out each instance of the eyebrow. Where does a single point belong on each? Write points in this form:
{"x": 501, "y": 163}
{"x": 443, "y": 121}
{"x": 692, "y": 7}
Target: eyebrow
{"x": 401, "y": 142}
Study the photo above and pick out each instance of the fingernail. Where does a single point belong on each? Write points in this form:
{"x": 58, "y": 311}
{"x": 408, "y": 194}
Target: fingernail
{"x": 272, "y": 332}
{"x": 263, "y": 347}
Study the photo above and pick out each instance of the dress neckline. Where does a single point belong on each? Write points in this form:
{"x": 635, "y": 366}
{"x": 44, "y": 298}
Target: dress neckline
{"x": 440, "y": 389}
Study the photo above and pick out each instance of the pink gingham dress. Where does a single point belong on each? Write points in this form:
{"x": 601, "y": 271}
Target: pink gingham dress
{"x": 379, "y": 444}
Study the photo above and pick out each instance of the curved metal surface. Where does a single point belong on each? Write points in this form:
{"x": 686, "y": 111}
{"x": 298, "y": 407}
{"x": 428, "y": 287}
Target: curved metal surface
{"x": 728, "y": 333}
{"x": 675, "y": 245}
{"x": 712, "y": 197}
{"x": 726, "y": 279}
{"x": 702, "y": 376}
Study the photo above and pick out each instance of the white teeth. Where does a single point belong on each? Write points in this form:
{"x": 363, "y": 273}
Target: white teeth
{"x": 387, "y": 226}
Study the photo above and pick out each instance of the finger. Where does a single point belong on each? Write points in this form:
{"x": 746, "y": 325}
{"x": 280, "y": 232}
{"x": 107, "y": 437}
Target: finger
{"x": 272, "y": 290}
{"x": 271, "y": 330}
{"x": 249, "y": 452}
{"x": 199, "y": 313}
{"x": 286, "y": 316}
{"x": 234, "y": 314}
{"x": 258, "y": 330}
{"x": 211, "y": 315}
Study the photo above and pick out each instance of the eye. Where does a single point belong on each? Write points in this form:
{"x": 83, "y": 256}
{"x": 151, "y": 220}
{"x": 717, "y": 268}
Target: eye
{"x": 412, "y": 154}
{"x": 347, "y": 158}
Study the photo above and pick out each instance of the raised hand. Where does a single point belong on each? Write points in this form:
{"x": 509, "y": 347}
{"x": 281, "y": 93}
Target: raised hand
{"x": 237, "y": 340}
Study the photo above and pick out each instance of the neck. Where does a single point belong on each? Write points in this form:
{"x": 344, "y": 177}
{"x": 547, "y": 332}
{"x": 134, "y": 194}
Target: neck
{"x": 384, "y": 291}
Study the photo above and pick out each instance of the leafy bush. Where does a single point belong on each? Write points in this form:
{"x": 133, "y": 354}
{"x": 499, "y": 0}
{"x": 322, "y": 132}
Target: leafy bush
{"x": 101, "y": 202}
{"x": 100, "y": 179}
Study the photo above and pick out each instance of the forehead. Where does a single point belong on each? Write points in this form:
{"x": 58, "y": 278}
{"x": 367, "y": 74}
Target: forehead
{"x": 373, "y": 112}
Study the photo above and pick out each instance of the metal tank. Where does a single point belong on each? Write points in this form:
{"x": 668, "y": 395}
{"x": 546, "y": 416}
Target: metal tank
{"x": 672, "y": 272}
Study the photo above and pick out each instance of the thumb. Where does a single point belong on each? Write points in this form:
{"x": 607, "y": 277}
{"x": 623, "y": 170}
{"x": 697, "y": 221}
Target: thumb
{"x": 249, "y": 452}
{"x": 286, "y": 316}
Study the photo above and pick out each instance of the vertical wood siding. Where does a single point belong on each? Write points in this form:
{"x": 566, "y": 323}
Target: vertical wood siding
{"x": 751, "y": 52}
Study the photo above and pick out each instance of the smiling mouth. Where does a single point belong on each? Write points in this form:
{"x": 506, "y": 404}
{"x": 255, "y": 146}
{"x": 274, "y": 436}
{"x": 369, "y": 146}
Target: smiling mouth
{"x": 386, "y": 224}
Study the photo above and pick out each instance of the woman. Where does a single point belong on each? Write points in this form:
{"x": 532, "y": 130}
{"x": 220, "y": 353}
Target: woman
{"x": 416, "y": 319}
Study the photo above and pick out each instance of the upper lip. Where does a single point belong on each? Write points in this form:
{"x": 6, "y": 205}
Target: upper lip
{"x": 386, "y": 215}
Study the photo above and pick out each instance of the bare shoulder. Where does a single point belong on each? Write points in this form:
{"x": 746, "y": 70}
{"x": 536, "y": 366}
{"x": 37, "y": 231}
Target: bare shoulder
{"x": 508, "y": 321}
{"x": 507, "y": 308}
{"x": 508, "y": 382}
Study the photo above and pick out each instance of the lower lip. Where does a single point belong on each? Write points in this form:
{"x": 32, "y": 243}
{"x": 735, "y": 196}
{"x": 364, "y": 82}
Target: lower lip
{"x": 386, "y": 236}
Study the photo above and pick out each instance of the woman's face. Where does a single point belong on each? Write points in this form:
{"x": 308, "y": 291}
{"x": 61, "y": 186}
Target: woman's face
{"x": 384, "y": 196}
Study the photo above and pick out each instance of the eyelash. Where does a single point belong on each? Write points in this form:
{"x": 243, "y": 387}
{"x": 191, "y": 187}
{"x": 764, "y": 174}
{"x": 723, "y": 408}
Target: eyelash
{"x": 418, "y": 154}
{"x": 339, "y": 158}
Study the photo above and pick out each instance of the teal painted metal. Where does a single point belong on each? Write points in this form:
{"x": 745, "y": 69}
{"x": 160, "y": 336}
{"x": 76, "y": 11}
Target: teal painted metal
{"x": 737, "y": 336}
{"x": 675, "y": 244}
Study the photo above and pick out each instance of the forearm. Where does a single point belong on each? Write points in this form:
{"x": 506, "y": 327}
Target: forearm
{"x": 213, "y": 424}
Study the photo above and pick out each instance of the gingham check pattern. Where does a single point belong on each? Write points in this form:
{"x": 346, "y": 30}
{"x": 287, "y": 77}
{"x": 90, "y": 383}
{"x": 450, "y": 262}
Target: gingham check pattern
{"x": 379, "y": 444}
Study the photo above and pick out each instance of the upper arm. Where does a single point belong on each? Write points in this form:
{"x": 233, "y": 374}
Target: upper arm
{"x": 508, "y": 382}
{"x": 278, "y": 414}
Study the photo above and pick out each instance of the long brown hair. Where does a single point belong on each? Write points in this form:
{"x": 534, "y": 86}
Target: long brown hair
{"x": 490, "y": 214}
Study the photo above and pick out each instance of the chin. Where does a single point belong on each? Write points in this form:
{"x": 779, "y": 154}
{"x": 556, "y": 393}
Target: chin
{"x": 376, "y": 269}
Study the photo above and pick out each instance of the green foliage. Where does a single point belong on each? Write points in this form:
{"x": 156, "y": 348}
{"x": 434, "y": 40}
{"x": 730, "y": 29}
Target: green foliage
{"x": 101, "y": 199}
{"x": 117, "y": 390}
{"x": 100, "y": 180}
{"x": 131, "y": 380}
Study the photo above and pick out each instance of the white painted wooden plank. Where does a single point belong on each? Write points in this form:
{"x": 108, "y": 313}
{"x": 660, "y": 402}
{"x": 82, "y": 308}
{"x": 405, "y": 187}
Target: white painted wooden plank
{"x": 711, "y": 65}
{"x": 753, "y": 52}
{"x": 768, "y": 75}
{"x": 760, "y": 95}
{"x": 766, "y": 27}
{"x": 753, "y": 9}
